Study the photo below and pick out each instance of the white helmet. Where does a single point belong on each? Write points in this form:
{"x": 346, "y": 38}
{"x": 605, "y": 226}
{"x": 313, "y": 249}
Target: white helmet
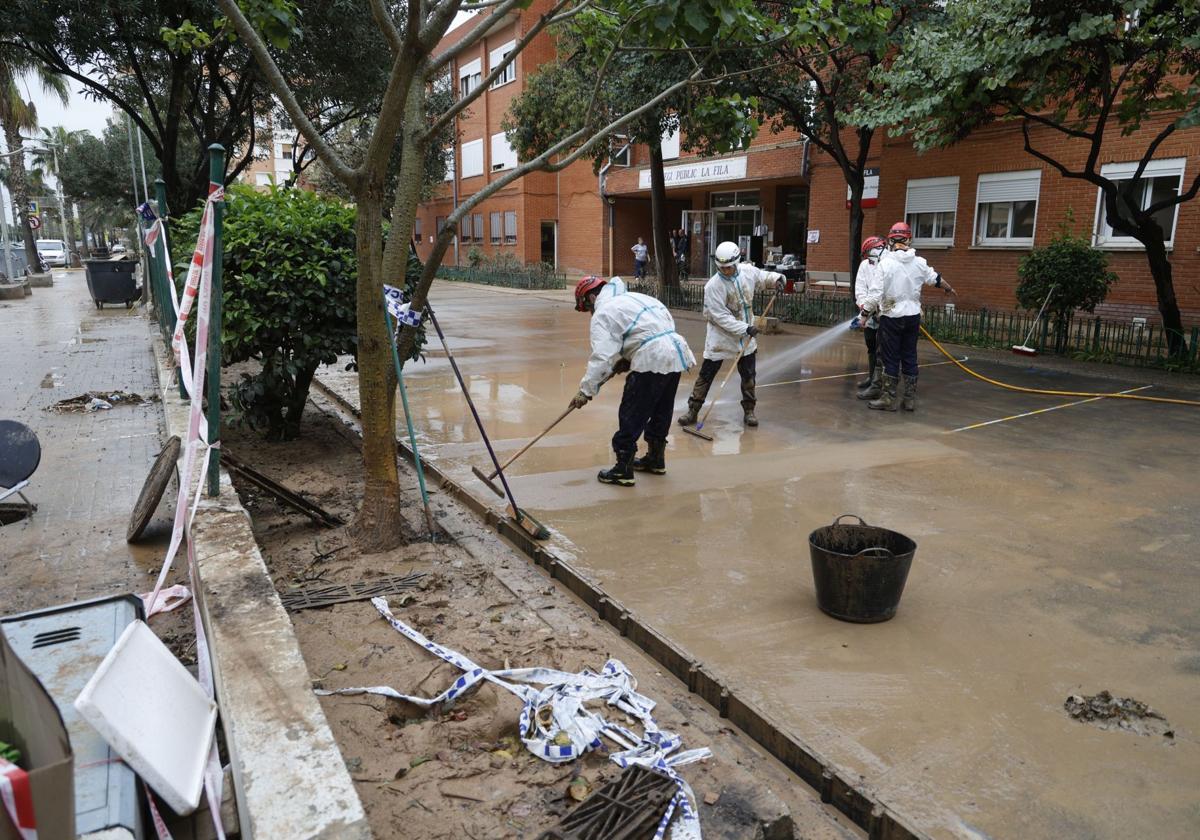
{"x": 727, "y": 254}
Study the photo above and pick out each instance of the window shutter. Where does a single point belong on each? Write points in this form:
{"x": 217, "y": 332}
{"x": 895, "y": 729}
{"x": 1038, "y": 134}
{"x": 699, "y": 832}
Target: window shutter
{"x": 932, "y": 195}
{"x": 1009, "y": 186}
{"x": 470, "y": 68}
{"x": 497, "y": 55}
{"x": 472, "y": 158}
{"x": 503, "y": 154}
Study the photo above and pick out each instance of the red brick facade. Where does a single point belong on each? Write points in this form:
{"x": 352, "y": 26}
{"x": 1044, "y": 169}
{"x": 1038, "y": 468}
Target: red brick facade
{"x": 987, "y": 275}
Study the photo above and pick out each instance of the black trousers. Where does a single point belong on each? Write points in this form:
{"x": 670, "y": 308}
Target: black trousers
{"x": 708, "y": 372}
{"x": 871, "y": 337}
{"x": 898, "y": 344}
{"x": 646, "y": 406}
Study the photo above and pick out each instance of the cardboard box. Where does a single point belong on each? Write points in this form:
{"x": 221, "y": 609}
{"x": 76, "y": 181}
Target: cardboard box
{"x": 30, "y": 721}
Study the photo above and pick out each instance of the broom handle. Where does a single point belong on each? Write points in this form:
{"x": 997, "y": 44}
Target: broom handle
{"x": 545, "y": 432}
{"x": 1039, "y": 315}
{"x": 721, "y": 390}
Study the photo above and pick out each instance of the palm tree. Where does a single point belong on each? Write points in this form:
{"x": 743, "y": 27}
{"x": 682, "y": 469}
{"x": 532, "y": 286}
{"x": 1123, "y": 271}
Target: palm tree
{"x": 64, "y": 141}
{"x": 17, "y": 115}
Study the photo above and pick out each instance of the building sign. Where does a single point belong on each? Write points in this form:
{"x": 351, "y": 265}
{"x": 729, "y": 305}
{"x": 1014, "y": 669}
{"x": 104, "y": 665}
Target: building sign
{"x": 700, "y": 172}
{"x": 814, "y": 237}
{"x": 870, "y": 196}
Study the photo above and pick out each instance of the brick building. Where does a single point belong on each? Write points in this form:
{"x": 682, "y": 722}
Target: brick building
{"x": 583, "y": 223}
{"x": 979, "y": 206}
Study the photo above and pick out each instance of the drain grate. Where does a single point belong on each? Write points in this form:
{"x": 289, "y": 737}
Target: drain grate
{"x": 627, "y": 808}
{"x": 324, "y": 596}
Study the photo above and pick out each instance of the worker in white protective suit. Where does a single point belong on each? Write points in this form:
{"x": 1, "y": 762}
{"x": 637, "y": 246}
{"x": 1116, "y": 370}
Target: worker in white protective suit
{"x": 729, "y": 310}
{"x": 895, "y": 296}
{"x": 632, "y": 332}
{"x": 872, "y": 250}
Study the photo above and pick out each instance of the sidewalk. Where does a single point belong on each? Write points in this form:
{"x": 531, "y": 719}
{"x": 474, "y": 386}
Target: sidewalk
{"x": 55, "y": 345}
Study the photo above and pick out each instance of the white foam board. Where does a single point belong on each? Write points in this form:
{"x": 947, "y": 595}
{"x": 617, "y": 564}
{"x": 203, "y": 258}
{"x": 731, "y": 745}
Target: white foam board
{"x": 154, "y": 714}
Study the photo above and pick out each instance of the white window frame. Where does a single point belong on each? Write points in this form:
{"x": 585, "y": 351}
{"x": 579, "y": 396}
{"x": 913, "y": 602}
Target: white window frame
{"x": 496, "y": 58}
{"x": 951, "y": 207}
{"x": 670, "y": 144}
{"x": 620, "y": 150}
{"x": 504, "y": 156}
{"x": 470, "y": 75}
{"x": 472, "y": 158}
{"x": 1016, "y": 193}
{"x": 1102, "y": 234}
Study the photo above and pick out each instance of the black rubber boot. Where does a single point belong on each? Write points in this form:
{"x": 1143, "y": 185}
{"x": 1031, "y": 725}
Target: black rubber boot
{"x": 870, "y": 381}
{"x": 688, "y": 418}
{"x": 888, "y": 399}
{"x": 875, "y": 387}
{"x": 621, "y": 472}
{"x": 909, "y": 400}
{"x": 655, "y": 459}
{"x": 751, "y": 420}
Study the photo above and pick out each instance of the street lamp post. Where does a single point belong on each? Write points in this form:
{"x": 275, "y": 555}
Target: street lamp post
{"x": 8, "y": 267}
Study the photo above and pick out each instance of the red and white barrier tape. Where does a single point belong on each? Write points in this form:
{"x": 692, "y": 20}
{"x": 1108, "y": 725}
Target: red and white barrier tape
{"x": 196, "y": 452}
{"x": 18, "y": 799}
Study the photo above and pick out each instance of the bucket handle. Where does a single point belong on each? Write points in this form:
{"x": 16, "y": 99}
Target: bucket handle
{"x": 876, "y": 550}
{"x": 838, "y": 521}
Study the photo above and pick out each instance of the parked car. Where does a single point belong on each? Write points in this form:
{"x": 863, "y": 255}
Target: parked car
{"x": 118, "y": 249}
{"x": 53, "y": 251}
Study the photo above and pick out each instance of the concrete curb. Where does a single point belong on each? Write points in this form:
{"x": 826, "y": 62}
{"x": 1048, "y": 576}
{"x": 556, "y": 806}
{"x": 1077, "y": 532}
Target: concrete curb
{"x": 288, "y": 774}
{"x": 836, "y": 785}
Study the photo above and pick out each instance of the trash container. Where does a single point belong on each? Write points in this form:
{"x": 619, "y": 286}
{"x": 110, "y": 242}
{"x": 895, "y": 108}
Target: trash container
{"x": 112, "y": 281}
{"x": 859, "y": 570}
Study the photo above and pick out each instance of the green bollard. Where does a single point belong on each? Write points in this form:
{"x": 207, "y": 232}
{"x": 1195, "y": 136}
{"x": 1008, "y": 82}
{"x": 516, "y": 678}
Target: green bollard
{"x": 216, "y": 175}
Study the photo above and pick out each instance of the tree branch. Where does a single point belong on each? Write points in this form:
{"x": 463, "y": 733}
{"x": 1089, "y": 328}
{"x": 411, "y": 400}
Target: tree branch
{"x": 383, "y": 19}
{"x": 274, "y": 77}
{"x": 441, "y": 19}
{"x": 1152, "y": 148}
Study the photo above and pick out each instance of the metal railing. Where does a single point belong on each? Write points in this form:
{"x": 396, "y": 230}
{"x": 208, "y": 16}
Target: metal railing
{"x": 512, "y": 277}
{"x": 1082, "y": 336}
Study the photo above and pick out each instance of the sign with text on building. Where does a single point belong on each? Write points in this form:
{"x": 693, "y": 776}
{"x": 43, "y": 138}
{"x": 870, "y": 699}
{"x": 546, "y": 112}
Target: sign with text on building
{"x": 870, "y": 188}
{"x": 700, "y": 172}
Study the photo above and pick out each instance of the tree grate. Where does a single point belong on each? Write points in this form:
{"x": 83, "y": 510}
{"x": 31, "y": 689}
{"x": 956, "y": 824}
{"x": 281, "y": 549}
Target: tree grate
{"x": 313, "y": 597}
{"x": 627, "y": 808}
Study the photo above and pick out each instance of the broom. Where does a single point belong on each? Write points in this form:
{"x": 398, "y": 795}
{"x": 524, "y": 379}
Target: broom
{"x": 1025, "y": 349}
{"x": 697, "y": 429}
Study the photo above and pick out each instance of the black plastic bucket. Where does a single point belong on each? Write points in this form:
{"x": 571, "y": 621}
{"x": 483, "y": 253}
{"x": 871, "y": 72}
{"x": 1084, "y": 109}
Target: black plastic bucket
{"x": 859, "y": 570}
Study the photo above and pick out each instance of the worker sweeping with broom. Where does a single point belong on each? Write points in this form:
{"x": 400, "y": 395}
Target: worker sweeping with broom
{"x": 636, "y": 333}
{"x": 728, "y": 308}
{"x": 895, "y": 295}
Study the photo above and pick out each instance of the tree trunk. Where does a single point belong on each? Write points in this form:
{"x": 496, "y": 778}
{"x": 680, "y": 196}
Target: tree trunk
{"x": 377, "y": 526}
{"x": 85, "y": 250}
{"x": 294, "y": 410}
{"x": 70, "y": 225}
{"x": 665, "y": 265}
{"x": 19, "y": 187}
{"x": 855, "y": 182}
{"x": 1160, "y": 269}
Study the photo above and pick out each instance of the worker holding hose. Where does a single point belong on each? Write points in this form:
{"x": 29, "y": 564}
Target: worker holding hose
{"x": 729, "y": 310}
{"x": 636, "y": 333}
{"x": 895, "y": 295}
{"x": 872, "y": 249}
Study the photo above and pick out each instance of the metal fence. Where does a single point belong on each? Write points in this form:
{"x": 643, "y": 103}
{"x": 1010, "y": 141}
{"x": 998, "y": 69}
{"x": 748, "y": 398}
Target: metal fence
{"x": 1086, "y": 337}
{"x": 515, "y": 277}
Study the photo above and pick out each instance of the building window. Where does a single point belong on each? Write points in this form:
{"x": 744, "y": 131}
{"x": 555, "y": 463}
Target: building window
{"x": 741, "y": 198}
{"x": 262, "y": 179}
{"x": 1006, "y": 208}
{"x": 472, "y": 158}
{"x": 496, "y": 58}
{"x": 449, "y": 155}
{"x": 466, "y": 229}
{"x": 1160, "y": 180}
{"x": 618, "y": 150}
{"x": 930, "y": 210}
{"x": 440, "y": 224}
{"x": 497, "y": 228}
{"x": 670, "y": 144}
{"x": 477, "y": 225}
{"x": 285, "y": 151}
{"x": 416, "y": 230}
{"x": 510, "y": 228}
{"x": 503, "y": 154}
{"x": 469, "y": 77}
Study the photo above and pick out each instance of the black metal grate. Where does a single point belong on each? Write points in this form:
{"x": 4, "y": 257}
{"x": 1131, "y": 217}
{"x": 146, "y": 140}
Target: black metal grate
{"x": 56, "y": 637}
{"x": 325, "y": 596}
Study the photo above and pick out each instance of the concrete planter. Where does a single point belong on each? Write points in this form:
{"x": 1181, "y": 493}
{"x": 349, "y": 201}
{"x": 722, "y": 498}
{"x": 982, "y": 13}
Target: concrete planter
{"x": 41, "y": 281}
{"x": 14, "y": 291}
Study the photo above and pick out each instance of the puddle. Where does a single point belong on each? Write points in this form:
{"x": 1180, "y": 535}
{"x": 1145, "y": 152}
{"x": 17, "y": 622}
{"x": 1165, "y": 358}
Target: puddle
{"x": 1107, "y": 712}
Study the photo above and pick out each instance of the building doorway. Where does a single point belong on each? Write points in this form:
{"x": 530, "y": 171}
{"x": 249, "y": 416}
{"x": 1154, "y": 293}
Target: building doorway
{"x": 550, "y": 244}
{"x": 735, "y": 215}
{"x": 700, "y": 225}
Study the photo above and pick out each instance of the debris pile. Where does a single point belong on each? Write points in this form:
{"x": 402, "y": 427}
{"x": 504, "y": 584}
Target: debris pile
{"x": 99, "y": 401}
{"x": 1108, "y": 712}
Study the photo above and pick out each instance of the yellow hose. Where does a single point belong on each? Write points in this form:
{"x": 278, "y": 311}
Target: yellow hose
{"x": 947, "y": 354}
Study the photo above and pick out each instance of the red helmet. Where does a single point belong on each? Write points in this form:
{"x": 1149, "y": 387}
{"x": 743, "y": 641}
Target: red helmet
{"x": 872, "y": 242}
{"x": 900, "y": 232}
{"x": 585, "y": 287}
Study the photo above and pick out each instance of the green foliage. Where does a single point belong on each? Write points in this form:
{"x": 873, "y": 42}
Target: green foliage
{"x": 289, "y": 276}
{"x": 9, "y": 752}
{"x": 1070, "y": 273}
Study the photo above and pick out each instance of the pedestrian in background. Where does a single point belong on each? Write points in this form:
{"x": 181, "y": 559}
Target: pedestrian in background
{"x": 640, "y": 254}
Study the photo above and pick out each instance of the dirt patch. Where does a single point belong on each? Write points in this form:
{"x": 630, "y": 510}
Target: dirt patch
{"x": 462, "y": 772}
{"x": 98, "y": 401}
{"x": 1108, "y": 712}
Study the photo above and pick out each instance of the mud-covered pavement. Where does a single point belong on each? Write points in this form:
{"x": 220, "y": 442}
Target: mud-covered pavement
{"x": 1056, "y": 557}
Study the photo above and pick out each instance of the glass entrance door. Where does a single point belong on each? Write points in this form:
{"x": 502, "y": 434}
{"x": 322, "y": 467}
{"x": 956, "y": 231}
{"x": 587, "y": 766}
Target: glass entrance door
{"x": 700, "y": 227}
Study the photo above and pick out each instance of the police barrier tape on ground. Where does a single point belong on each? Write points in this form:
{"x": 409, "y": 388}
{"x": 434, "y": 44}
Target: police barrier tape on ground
{"x": 559, "y": 708}
{"x": 196, "y": 452}
{"x": 18, "y": 799}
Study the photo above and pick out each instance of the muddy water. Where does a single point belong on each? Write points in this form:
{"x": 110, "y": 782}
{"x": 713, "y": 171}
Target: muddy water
{"x": 1056, "y": 556}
